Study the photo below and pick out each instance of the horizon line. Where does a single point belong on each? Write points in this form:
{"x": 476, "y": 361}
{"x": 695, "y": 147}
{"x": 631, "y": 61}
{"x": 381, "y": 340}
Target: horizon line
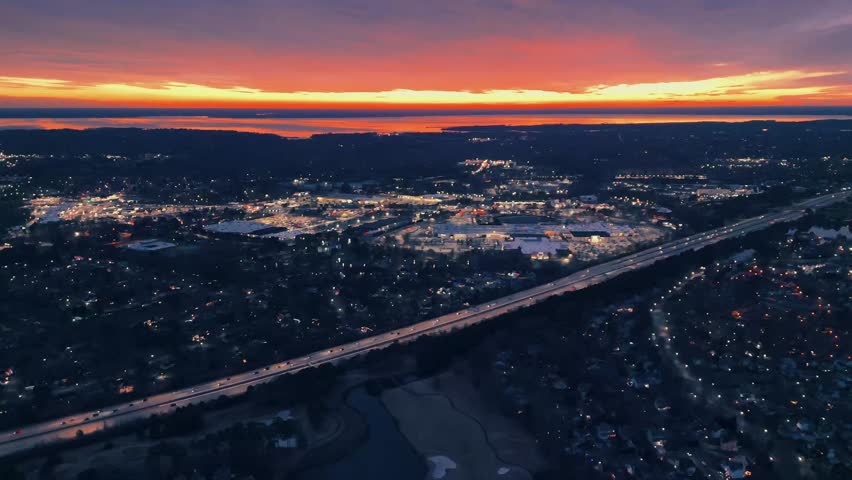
{"x": 414, "y": 110}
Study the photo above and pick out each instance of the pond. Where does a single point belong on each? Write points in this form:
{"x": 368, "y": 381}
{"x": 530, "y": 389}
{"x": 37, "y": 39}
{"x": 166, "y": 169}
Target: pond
{"x": 385, "y": 455}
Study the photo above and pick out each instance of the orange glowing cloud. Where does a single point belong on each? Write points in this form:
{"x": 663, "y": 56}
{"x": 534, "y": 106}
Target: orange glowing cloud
{"x": 766, "y": 87}
{"x": 258, "y": 53}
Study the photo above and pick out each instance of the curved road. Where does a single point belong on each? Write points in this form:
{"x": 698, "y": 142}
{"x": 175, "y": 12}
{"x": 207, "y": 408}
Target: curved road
{"x": 88, "y": 422}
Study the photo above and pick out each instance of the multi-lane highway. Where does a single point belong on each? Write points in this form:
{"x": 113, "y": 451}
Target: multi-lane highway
{"x": 87, "y": 422}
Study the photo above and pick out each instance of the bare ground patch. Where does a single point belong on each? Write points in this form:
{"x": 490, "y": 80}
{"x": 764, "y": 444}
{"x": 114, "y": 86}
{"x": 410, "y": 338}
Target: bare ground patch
{"x": 444, "y": 418}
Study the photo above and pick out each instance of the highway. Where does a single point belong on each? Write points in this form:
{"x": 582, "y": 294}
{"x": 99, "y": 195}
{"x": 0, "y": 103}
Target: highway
{"x": 65, "y": 428}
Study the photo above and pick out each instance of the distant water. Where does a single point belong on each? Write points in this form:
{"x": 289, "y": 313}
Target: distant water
{"x": 306, "y": 123}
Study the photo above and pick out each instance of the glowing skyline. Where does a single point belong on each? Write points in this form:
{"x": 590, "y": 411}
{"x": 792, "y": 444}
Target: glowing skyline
{"x": 377, "y": 53}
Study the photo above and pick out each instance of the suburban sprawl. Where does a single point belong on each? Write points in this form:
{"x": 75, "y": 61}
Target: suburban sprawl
{"x": 139, "y": 264}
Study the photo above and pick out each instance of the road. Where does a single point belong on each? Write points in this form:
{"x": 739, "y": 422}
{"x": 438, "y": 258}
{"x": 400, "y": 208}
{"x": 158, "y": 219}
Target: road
{"x": 88, "y": 422}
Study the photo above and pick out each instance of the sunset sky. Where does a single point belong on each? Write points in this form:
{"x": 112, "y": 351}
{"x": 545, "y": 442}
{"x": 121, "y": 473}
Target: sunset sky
{"x": 339, "y": 53}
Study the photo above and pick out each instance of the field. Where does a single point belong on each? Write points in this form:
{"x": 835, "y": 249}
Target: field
{"x": 461, "y": 437}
